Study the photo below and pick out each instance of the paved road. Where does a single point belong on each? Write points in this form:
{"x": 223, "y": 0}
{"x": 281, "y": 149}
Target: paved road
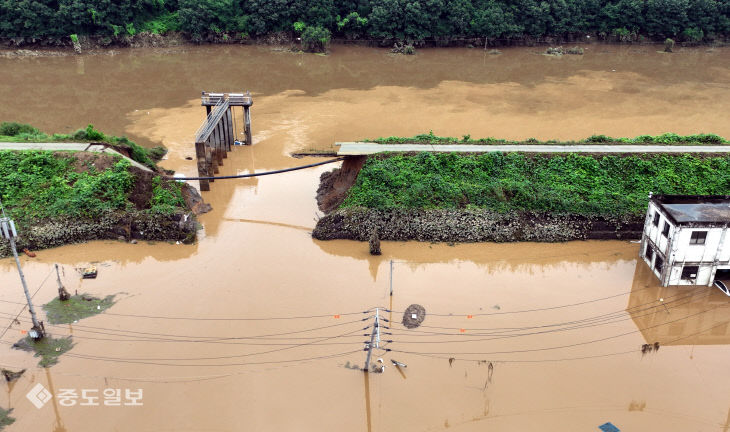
{"x": 364, "y": 148}
{"x": 65, "y": 146}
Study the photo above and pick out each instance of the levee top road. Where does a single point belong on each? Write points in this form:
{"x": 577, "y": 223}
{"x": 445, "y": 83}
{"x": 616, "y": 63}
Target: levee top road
{"x": 364, "y": 148}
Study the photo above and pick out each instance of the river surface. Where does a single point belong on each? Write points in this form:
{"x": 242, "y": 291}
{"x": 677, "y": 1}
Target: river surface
{"x": 517, "y": 336}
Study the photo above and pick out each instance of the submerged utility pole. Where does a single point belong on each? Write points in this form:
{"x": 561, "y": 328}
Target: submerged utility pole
{"x": 8, "y": 229}
{"x": 376, "y": 331}
{"x": 63, "y": 295}
{"x": 391, "y": 278}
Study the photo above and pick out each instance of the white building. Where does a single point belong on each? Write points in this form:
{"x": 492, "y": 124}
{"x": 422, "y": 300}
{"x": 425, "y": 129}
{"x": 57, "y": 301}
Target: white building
{"x": 685, "y": 239}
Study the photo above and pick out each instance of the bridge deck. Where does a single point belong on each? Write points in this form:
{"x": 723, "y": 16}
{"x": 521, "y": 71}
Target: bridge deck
{"x": 366, "y": 148}
{"x": 234, "y": 99}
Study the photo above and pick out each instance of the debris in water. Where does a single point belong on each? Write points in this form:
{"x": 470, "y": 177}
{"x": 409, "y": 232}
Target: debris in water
{"x": 645, "y": 348}
{"x": 656, "y": 346}
{"x": 89, "y": 272}
{"x": 188, "y": 158}
{"x": 348, "y": 365}
{"x": 414, "y": 316}
{"x": 608, "y": 427}
{"x": 11, "y": 376}
{"x": 497, "y": 307}
{"x": 379, "y": 366}
{"x": 451, "y": 361}
{"x": 374, "y": 243}
{"x": 29, "y": 253}
{"x": 397, "y": 363}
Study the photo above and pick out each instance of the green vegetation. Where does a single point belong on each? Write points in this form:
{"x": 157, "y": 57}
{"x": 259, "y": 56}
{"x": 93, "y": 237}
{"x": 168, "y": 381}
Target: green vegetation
{"x": 315, "y": 39}
{"x": 75, "y": 308}
{"x": 407, "y": 20}
{"x": 48, "y": 348}
{"x": 560, "y": 184}
{"x": 665, "y": 139}
{"x": 5, "y": 419}
{"x": 166, "y": 196}
{"x": 42, "y": 184}
{"x": 19, "y": 132}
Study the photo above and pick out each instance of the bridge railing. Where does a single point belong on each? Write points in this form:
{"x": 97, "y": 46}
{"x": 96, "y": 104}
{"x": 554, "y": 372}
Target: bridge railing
{"x": 215, "y": 115}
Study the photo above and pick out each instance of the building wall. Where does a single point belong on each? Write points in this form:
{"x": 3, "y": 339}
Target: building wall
{"x": 677, "y": 251}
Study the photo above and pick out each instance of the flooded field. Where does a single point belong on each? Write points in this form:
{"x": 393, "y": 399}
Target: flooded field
{"x": 259, "y": 327}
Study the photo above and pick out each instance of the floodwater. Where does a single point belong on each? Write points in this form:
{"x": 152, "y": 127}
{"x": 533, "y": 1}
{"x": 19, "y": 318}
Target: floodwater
{"x": 517, "y": 336}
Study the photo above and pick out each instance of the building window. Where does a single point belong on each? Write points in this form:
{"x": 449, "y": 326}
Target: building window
{"x": 698, "y": 237}
{"x": 665, "y": 229}
{"x": 690, "y": 272}
{"x": 656, "y": 219}
{"x": 649, "y": 254}
{"x": 658, "y": 264}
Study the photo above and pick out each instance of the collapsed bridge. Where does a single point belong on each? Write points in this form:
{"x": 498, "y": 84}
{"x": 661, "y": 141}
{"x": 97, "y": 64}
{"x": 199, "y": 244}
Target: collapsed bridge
{"x": 219, "y": 131}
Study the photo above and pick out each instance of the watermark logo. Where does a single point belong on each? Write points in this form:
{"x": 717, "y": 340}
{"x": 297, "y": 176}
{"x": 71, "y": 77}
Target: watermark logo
{"x": 39, "y": 396}
{"x": 69, "y": 397}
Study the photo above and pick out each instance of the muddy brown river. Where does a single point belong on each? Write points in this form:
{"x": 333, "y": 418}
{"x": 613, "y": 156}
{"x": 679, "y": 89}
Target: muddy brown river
{"x": 258, "y": 327}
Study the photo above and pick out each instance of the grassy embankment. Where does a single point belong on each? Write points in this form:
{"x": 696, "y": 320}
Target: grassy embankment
{"x": 63, "y": 197}
{"x": 19, "y": 132}
{"x": 517, "y": 196}
{"x": 665, "y": 139}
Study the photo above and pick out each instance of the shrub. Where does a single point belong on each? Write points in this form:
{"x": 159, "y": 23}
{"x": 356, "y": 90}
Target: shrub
{"x": 166, "y": 196}
{"x": 315, "y": 39}
{"x": 299, "y": 26}
{"x": 14, "y": 129}
{"x": 693, "y": 34}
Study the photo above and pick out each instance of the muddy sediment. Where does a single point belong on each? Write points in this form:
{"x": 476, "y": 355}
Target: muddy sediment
{"x": 466, "y": 226}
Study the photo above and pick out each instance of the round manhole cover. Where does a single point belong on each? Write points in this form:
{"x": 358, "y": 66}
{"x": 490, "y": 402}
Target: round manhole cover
{"x": 414, "y": 316}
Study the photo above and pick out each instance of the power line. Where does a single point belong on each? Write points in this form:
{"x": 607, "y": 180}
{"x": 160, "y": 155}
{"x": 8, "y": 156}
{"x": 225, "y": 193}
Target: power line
{"x": 187, "y": 318}
{"x": 121, "y": 332}
{"x": 258, "y": 174}
{"x": 598, "y": 318}
{"x": 229, "y": 356}
{"x": 513, "y": 335}
{"x": 238, "y": 319}
{"x": 574, "y": 344}
{"x": 633, "y": 351}
{"x": 530, "y": 310}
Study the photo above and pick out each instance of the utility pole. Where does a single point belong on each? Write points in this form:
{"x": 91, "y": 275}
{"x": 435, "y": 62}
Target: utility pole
{"x": 8, "y": 229}
{"x": 376, "y": 330}
{"x": 63, "y": 295}
{"x": 391, "y": 278}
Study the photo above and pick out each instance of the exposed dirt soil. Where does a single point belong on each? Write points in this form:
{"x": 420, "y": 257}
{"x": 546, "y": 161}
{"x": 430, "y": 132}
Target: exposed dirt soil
{"x": 142, "y": 192}
{"x": 194, "y": 201}
{"x": 84, "y": 161}
{"x": 333, "y": 185}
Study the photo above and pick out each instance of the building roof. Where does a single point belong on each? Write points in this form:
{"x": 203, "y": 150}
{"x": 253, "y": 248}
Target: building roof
{"x": 709, "y": 210}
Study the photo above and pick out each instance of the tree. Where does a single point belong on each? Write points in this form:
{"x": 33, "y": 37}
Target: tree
{"x": 494, "y": 20}
{"x": 666, "y": 17}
